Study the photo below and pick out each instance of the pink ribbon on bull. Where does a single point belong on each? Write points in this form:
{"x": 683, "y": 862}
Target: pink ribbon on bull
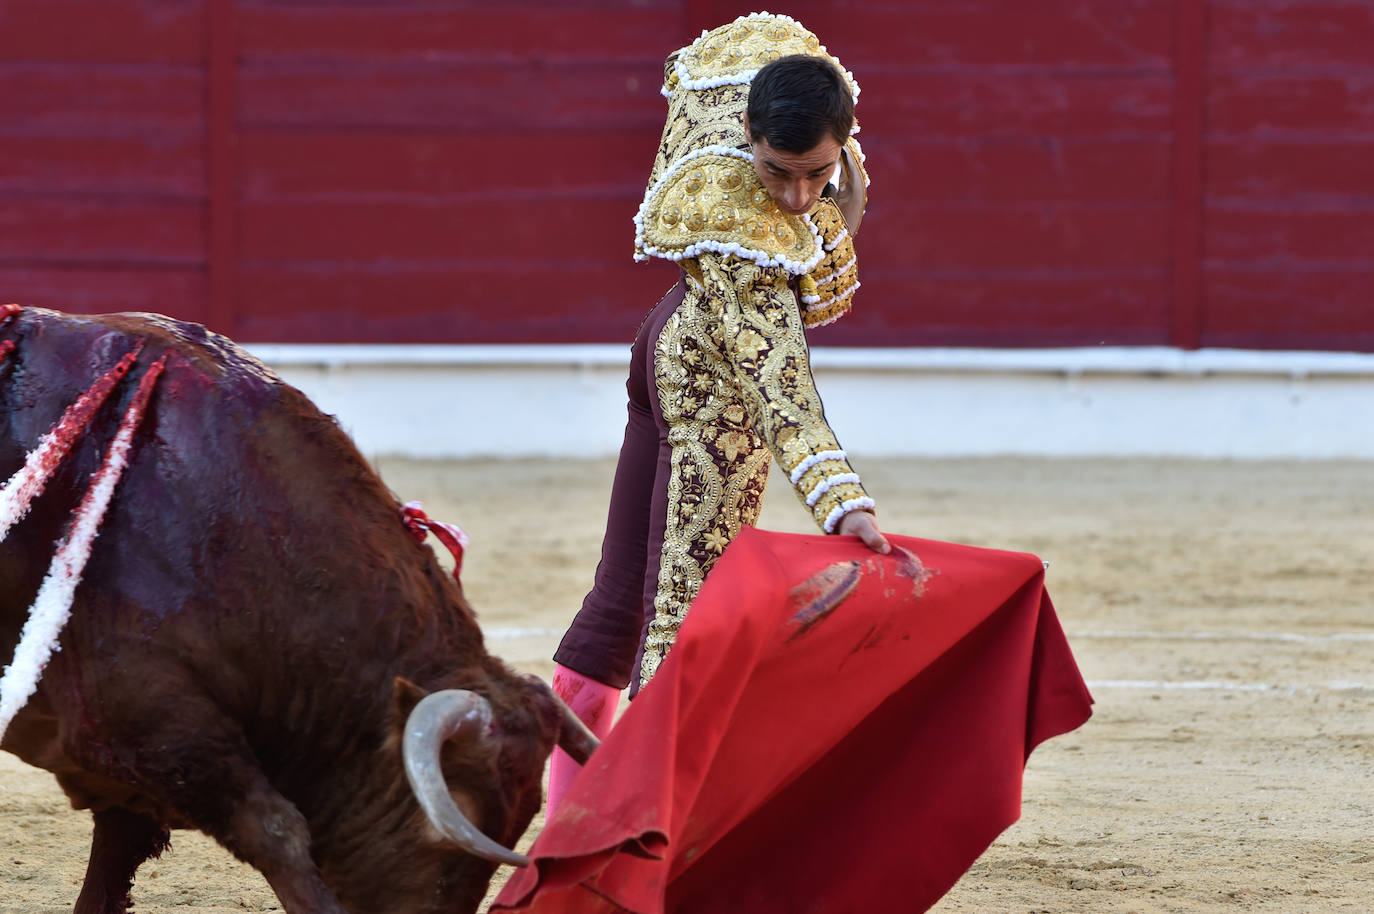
{"x": 451, "y": 535}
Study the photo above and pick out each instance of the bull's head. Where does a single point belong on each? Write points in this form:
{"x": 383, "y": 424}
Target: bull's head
{"x": 465, "y": 718}
{"x": 473, "y": 760}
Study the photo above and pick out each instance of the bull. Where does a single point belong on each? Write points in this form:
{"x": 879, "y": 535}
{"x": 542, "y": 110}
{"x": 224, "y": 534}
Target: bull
{"x": 255, "y": 645}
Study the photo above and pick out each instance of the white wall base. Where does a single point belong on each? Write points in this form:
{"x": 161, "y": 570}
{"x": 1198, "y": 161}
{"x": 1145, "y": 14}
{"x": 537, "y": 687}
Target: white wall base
{"x": 514, "y": 401}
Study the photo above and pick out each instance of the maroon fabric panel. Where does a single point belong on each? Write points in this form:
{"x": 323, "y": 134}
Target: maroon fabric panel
{"x": 609, "y": 629}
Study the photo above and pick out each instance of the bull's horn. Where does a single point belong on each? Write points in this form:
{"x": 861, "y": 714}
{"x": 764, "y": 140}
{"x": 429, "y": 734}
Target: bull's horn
{"x": 438, "y": 716}
{"x": 574, "y": 737}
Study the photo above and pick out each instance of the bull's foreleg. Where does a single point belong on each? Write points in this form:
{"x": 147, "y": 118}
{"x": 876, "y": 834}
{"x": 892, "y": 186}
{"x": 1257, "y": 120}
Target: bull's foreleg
{"x": 267, "y": 831}
{"x": 231, "y": 800}
{"x": 195, "y": 766}
{"x": 121, "y": 842}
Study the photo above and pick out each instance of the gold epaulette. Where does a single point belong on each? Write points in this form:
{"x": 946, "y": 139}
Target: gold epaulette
{"x": 711, "y": 200}
{"x": 731, "y": 54}
{"x": 827, "y": 291}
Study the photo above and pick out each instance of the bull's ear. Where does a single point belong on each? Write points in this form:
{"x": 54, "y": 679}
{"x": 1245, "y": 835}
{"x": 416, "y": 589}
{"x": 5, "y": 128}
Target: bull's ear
{"x": 405, "y": 696}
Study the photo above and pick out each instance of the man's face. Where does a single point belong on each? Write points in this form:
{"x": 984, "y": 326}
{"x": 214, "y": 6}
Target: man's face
{"x": 795, "y": 179}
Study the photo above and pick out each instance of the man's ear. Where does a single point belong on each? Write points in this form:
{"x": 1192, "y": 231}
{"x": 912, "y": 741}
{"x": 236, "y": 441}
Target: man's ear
{"x": 748, "y": 137}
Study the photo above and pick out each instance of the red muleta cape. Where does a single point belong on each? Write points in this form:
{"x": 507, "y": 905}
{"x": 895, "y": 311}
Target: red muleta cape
{"x": 833, "y": 731}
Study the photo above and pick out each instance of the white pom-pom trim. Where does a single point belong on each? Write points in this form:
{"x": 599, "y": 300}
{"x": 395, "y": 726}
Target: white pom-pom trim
{"x": 825, "y": 485}
{"x": 811, "y": 460}
{"x": 828, "y": 321}
{"x": 839, "y": 272}
{"x": 863, "y": 158}
{"x": 844, "y": 508}
{"x": 821, "y": 306}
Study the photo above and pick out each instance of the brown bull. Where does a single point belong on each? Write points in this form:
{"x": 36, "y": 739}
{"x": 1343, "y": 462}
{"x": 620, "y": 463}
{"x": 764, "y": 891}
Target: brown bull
{"x": 250, "y": 642}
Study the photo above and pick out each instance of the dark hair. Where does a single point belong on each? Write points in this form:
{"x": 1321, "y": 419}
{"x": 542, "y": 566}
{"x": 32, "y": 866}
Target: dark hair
{"x": 796, "y": 101}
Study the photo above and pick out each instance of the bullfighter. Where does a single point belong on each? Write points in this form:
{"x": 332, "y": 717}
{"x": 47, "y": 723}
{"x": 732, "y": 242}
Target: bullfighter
{"x": 756, "y": 193}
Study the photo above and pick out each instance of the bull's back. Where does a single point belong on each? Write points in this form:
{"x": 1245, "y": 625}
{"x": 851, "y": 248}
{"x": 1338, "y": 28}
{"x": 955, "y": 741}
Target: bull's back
{"x": 197, "y": 427}
{"x": 228, "y": 563}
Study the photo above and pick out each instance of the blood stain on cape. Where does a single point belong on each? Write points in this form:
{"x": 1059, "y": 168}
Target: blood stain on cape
{"x": 821, "y": 594}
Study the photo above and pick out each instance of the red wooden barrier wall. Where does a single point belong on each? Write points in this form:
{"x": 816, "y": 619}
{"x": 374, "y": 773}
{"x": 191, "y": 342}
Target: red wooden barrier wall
{"x": 1064, "y": 172}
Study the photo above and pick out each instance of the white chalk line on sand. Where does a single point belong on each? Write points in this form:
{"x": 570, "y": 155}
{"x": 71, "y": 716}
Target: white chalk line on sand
{"x": 1160, "y": 685}
{"x": 513, "y": 632}
{"x": 1225, "y": 636}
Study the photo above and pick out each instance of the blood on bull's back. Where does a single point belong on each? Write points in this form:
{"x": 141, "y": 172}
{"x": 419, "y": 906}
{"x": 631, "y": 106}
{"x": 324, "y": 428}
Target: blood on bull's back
{"x": 249, "y": 627}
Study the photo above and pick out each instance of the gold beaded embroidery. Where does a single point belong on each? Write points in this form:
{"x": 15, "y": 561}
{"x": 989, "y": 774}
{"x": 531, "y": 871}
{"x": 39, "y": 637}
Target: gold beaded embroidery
{"x": 733, "y": 378}
{"x": 828, "y": 290}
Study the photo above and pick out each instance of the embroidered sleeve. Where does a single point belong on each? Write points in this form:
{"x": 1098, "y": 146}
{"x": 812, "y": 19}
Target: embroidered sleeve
{"x": 763, "y": 338}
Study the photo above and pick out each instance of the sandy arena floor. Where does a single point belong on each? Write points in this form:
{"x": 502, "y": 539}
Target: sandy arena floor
{"x": 1222, "y": 612}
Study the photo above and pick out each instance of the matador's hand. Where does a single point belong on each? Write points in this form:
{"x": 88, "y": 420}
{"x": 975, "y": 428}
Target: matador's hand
{"x": 865, "y": 527}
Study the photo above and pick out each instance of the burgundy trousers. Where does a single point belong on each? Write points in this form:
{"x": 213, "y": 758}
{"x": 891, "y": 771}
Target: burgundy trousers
{"x": 607, "y": 635}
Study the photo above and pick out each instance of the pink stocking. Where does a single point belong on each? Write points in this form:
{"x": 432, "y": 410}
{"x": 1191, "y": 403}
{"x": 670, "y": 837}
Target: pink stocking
{"x": 594, "y": 703}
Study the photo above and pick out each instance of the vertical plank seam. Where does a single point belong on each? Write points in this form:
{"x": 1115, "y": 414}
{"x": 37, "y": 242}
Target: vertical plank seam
{"x": 699, "y": 16}
{"x": 1190, "y": 83}
{"x": 221, "y": 115}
